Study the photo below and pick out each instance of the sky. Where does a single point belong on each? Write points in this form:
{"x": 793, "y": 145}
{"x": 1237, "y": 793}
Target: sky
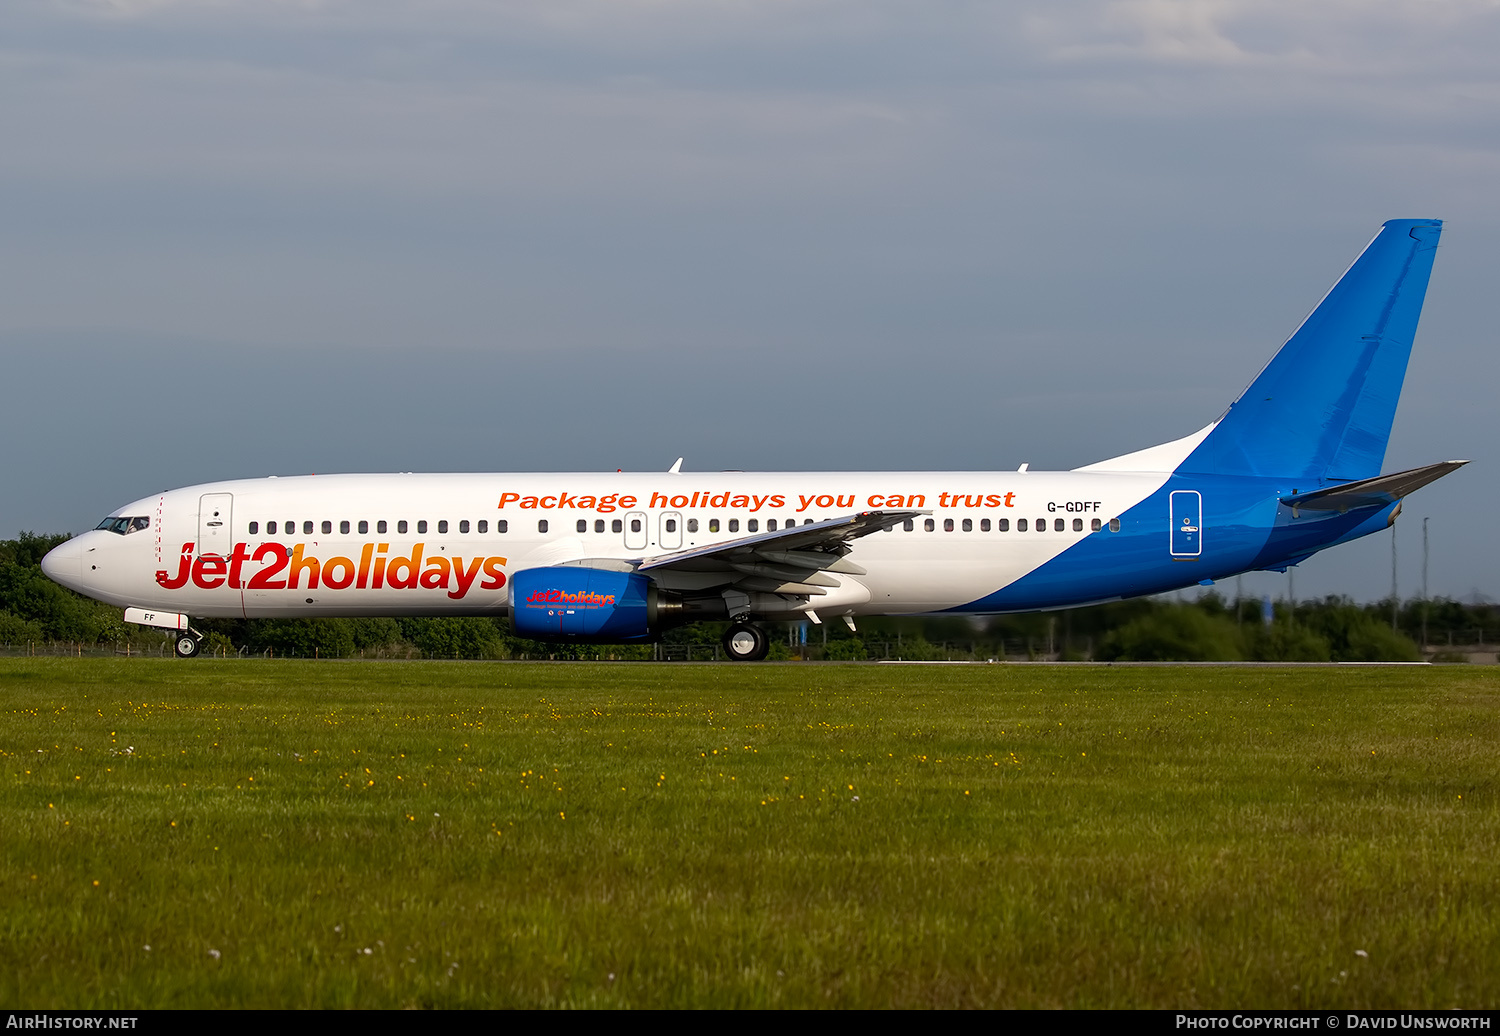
{"x": 251, "y": 237}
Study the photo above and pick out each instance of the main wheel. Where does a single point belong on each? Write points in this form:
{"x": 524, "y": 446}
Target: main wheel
{"x": 746, "y": 643}
{"x": 188, "y": 645}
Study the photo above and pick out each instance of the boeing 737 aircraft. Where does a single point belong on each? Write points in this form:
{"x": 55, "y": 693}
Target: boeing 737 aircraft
{"x": 1293, "y": 466}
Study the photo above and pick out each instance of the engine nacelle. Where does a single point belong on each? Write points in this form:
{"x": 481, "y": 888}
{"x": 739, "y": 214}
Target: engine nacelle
{"x": 573, "y": 603}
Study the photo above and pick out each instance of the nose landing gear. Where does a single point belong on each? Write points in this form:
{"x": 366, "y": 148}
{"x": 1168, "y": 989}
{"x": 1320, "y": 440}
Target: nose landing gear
{"x": 188, "y": 644}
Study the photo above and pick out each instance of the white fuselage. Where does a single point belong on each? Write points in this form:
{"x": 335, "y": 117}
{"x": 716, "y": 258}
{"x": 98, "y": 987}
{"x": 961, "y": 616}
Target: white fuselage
{"x": 446, "y": 544}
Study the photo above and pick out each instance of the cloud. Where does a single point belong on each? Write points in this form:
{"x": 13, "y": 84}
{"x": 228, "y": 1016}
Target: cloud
{"x": 1091, "y": 220}
{"x": 1361, "y": 38}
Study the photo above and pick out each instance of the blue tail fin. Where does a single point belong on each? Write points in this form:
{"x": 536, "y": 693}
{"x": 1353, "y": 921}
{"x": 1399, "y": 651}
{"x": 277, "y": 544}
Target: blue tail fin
{"x": 1323, "y": 407}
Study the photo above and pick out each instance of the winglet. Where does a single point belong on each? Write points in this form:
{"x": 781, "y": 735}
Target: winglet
{"x": 675, "y": 469}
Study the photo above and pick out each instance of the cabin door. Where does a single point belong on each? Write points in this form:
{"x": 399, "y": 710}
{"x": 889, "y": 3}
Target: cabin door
{"x": 1187, "y": 523}
{"x": 214, "y": 530}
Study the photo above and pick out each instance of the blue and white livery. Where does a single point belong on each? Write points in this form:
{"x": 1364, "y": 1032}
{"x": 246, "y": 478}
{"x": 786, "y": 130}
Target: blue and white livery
{"x": 1293, "y": 466}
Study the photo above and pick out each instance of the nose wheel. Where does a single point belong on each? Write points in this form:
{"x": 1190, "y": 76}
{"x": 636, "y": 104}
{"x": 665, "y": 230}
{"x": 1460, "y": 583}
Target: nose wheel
{"x": 746, "y": 643}
{"x": 188, "y": 645}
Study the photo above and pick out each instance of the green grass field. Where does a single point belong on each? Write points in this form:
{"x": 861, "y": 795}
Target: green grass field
{"x": 344, "y": 834}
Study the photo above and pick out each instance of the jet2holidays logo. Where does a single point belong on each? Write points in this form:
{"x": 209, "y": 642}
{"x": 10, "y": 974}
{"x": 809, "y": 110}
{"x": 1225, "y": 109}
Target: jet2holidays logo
{"x": 274, "y": 567}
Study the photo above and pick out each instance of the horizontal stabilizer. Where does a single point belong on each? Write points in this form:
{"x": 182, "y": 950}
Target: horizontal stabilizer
{"x": 1379, "y": 491}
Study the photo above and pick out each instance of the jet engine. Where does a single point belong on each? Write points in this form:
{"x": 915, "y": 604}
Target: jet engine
{"x": 567, "y": 602}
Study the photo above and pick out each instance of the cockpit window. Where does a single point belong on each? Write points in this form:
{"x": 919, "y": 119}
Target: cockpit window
{"x": 124, "y": 526}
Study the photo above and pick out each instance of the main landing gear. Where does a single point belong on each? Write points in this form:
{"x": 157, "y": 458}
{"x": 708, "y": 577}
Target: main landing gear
{"x": 189, "y": 643}
{"x": 746, "y": 643}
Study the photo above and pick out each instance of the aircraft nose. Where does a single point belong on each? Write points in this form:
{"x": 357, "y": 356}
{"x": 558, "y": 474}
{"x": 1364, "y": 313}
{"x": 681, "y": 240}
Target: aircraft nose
{"x": 64, "y": 564}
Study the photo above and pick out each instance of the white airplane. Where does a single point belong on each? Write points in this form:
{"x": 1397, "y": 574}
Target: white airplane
{"x": 1292, "y": 467}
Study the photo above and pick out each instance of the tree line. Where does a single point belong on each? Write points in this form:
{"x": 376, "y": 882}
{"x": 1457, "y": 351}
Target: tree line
{"x": 35, "y": 610}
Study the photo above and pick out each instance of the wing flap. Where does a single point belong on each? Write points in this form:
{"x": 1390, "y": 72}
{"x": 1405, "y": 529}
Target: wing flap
{"x": 793, "y": 562}
{"x": 831, "y": 536}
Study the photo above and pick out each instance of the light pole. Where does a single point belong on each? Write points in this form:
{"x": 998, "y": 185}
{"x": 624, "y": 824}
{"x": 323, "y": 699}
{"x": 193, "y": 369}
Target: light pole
{"x": 1395, "y": 600}
{"x": 1425, "y": 598}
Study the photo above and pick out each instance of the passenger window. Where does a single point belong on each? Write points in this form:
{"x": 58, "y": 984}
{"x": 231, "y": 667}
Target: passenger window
{"x": 401, "y": 526}
{"x": 1077, "y": 524}
{"x": 344, "y": 528}
{"x": 484, "y": 526}
{"x": 771, "y": 525}
{"x": 1041, "y": 525}
{"x": 1002, "y": 524}
{"x": 598, "y": 524}
{"x": 422, "y": 526}
{"x": 692, "y": 525}
{"x": 463, "y": 526}
{"x": 270, "y": 528}
{"x": 307, "y": 528}
{"x": 907, "y": 525}
{"x": 752, "y": 525}
{"x": 443, "y": 526}
{"x": 583, "y": 525}
{"x": 616, "y": 525}
{"x": 327, "y": 528}
{"x": 734, "y": 525}
{"x": 1095, "y": 525}
{"x": 713, "y": 525}
{"x": 254, "y": 528}
{"x": 671, "y": 524}
{"x": 380, "y": 526}
{"x": 541, "y": 526}
{"x": 364, "y": 528}
{"x": 1114, "y": 525}
{"x": 502, "y": 526}
{"x": 968, "y": 525}
{"x": 1059, "y": 525}
{"x": 947, "y": 524}
{"x": 984, "y": 525}
{"x": 635, "y": 525}
{"x": 929, "y": 525}
{"x": 1020, "y": 524}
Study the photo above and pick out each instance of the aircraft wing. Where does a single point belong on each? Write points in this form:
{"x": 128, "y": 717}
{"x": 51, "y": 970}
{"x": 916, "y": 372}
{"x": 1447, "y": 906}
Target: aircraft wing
{"x": 788, "y": 561}
{"x": 1379, "y": 491}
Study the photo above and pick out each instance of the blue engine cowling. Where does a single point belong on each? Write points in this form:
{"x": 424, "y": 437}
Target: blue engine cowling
{"x": 572, "y": 603}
